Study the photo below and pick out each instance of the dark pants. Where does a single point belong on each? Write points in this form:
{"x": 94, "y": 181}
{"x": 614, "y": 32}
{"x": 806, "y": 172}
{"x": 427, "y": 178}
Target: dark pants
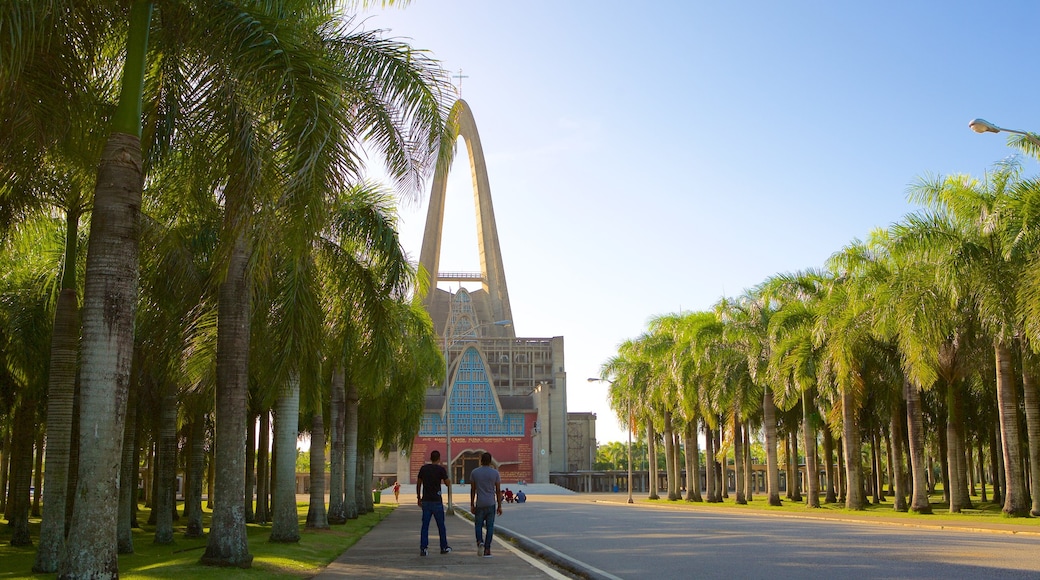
{"x": 435, "y": 509}
{"x": 483, "y": 515}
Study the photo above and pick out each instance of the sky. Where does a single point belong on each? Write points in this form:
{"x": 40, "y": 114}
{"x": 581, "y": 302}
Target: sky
{"x": 650, "y": 158}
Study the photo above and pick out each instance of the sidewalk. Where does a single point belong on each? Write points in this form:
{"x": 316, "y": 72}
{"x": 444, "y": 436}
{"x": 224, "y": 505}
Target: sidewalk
{"x": 391, "y": 550}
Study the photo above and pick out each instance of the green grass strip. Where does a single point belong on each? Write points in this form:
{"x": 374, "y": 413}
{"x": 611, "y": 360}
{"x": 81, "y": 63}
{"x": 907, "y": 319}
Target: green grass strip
{"x": 315, "y": 550}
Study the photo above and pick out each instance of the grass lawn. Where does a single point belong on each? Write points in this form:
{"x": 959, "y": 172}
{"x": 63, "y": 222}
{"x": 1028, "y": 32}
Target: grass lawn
{"x": 989, "y": 512}
{"x": 180, "y": 560}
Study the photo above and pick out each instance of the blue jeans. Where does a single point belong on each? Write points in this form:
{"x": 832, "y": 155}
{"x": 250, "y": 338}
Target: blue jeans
{"x": 435, "y": 509}
{"x": 480, "y": 516}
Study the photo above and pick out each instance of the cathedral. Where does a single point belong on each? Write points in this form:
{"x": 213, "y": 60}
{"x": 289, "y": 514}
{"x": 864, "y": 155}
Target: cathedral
{"x": 502, "y": 393}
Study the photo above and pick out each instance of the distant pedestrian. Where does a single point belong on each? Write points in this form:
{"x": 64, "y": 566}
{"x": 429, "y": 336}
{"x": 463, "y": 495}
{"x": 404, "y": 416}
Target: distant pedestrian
{"x": 397, "y": 491}
{"x": 521, "y": 497}
{"x": 485, "y": 500}
{"x": 428, "y": 490}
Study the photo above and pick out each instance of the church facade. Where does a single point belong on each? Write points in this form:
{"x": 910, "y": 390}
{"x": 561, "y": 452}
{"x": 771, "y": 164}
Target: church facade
{"x": 502, "y": 393}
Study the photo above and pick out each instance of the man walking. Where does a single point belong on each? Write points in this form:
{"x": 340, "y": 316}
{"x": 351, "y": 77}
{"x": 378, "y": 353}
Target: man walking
{"x": 485, "y": 500}
{"x": 428, "y": 488}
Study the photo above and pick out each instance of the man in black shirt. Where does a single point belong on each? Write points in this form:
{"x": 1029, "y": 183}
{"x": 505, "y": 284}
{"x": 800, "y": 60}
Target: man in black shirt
{"x": 428, "y": 490}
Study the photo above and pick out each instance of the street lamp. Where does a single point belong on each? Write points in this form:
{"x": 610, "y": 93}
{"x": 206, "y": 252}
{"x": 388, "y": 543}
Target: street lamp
{"x": 983, "y": 126}
{"x": 598, "y": 380}
{"x": 447, "y": 402}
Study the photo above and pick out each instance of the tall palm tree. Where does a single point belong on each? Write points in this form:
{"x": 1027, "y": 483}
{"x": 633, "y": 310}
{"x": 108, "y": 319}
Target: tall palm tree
{"x": 627, "y": 392}
{"x": 1021, "y": 236}
{"x": 795, "y": 361}
{"x": 364, "y": 270}
{"x": 967, "y": 234}
{"x": 27, "y": 287}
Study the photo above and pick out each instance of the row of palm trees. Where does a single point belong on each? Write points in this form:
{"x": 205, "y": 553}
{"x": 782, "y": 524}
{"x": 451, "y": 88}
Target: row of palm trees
{"x": 236, "y": 262}
{"x": 923, "y": 337}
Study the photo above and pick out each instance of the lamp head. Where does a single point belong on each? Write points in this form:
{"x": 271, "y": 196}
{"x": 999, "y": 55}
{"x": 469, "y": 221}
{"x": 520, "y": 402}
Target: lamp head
{"x": 983, "y": 126}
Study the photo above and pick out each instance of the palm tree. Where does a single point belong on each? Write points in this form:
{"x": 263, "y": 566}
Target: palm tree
{"x": 27, "y": 287}
{"x": 364, "y": 270}
{"x": 627, "y": 393}
{"x": 109, "y": 301}
{"x": 967, "y": 236}
{"x": 1021, "y": 236}
{"x": 795, "y": 361}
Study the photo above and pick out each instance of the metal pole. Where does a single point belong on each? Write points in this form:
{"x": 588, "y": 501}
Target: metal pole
{"x": 447, "y": 423}
{"x": 630, "y": 451}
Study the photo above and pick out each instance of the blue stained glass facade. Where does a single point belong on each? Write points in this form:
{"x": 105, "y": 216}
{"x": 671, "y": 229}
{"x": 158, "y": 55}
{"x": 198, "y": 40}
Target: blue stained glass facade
{"x": 473, "y": 409}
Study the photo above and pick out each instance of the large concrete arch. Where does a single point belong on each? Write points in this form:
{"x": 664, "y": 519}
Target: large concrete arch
{"x": 492, "y": 271}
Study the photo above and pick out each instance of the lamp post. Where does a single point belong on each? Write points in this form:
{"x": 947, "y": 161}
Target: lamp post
{"x": 598, "y": 380}
{"x": 983, "y": 126}
{"x": 447, "y": 394}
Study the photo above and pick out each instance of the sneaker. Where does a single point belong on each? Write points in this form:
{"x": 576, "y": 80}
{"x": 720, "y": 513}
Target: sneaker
{"x": 480, "y": 548}
{"x": 487, "y": 553}
{"x": 423, "y": 552}
{"x": 446, "y": 550}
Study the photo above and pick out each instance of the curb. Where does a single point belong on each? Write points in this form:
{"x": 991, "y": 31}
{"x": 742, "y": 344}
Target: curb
{"x": 540, "y": 550}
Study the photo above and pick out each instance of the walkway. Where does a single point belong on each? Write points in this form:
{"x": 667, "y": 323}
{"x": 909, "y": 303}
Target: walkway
{"x": 391, "y": 550}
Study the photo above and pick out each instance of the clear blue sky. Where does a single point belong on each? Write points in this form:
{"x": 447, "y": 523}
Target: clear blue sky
{"x": 647, "y": 157}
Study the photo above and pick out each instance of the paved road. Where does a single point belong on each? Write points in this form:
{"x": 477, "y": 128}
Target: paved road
{"x": 644, "y": 541}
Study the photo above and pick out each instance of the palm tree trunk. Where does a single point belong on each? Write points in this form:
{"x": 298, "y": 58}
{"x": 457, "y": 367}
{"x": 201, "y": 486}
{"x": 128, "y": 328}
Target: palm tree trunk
{"x": 165, "y": 499}
{"x": 34, "y": 511}
{"x": 370, "y": 465}
{"x": 959, "y": 496}
{"x": 211, "y": 476}
{"x": 853, "y": 463}
{"x": 693, "y": 460}
{"x": 364, "y": 481}
{"x": 61, "y": 389}
{"x": 1015, "y": 498}
{"x": 337, "y": 510}
{"x": 263, "y": 470}
{"x": 915, "y": 429}
{"x": 350, "y": 452}
{"x": 982, "y": 470}
{"x": 889, "y": 460}
{"x": 789, "y": 467}
{"x": 831, "y": 495}
{"x": 896, "y": 455}
{"x": 969, "y": 451}
{"x": 669, "y": 458}
{"x": 136, "y": 462}
{"x": 317, "y": 517}
{"x": 772, "y": 462}
{"x": 250, "y": 488}
{"x": 996, "y": 469}
{"x": 227, "y": 544}
{"x": 196, "y": 475}
{"x": 5, "y": 471}
{"x": 875, "y": 460}
{"x": 153, "y": 494}
{"x": 709, "y": 463}
{"x": 285, "y": 521}
{"x": 812, "y": 469}
{"x": 738, "y": 456}
{"x": 128, "y": 479}
{"x": 796, "y": 474}
{"x": 1031, "y": 401}
{"x": 723, "y": 479}
{"x": 651, "y": 456}
{"x": 109, "y": 304}
{"x": 21, "y": 471}
{"x": 749, "y": 475}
